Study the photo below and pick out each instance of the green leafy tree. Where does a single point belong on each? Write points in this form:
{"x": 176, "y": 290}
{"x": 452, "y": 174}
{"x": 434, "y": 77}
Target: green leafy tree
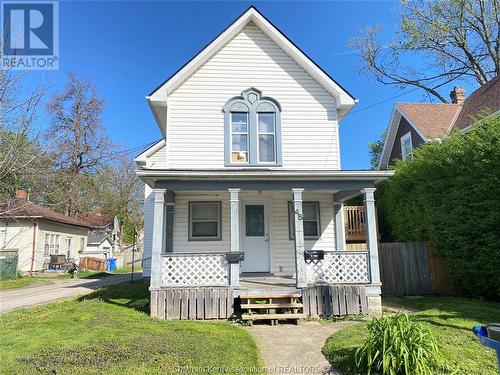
{"x": 121, "y": 193}
{"x": 436, "y": 42}
{"x": 448, "y": 195}
{"x": 376, "y": 148}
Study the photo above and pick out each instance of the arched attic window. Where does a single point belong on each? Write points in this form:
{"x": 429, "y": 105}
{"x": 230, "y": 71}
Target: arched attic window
{"x": 252, "y": 124}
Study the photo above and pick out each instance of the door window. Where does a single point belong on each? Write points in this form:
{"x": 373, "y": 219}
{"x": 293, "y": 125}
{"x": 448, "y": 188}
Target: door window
{"x": 254, "y": 223}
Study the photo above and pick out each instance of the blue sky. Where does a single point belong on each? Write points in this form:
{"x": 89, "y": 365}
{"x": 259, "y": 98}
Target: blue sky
{"x": 127, "y": 48}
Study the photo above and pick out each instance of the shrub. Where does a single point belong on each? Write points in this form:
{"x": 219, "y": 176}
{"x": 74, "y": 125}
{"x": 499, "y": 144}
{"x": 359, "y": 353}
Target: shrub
{"x": 448, "y": 194}
{"x": 397, "y": 345}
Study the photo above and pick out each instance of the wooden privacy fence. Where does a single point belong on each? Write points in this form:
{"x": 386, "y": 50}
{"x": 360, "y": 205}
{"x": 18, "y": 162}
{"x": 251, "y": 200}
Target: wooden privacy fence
{"x": 192, "y": 303}
{"x": 334, "y": 300}
{"x": 125, "y": 259}
{"x": 412, "y": 268}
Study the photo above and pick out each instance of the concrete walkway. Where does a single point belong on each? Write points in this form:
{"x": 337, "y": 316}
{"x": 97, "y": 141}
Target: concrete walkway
{"x": 291, "y": 349}
{"x": 13, "y": 299}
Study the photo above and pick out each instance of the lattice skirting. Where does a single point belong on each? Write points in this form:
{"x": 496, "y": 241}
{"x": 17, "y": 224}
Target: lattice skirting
{"x": 189, "y": 303}
{"x": 339, "y": 268}
{"x": 335, "y": 300}
{"x": 192, "y": 270}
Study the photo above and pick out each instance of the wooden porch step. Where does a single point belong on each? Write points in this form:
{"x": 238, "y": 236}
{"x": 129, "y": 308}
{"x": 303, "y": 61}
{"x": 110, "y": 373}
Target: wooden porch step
{"x": 273, "y": 305}
{"x": 273, "y": 316}
{"x": 270, "y": 295}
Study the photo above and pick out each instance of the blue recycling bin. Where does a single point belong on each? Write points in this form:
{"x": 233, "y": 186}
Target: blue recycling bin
{"x": 482, "y": 334}
{"x": 111, "y": 266}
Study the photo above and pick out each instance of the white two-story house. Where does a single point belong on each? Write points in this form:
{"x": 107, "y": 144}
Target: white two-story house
{"x": 247, "y": 182}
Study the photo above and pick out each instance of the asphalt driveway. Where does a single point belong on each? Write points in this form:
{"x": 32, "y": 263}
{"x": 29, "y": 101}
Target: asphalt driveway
{"x": 14, "y": 299}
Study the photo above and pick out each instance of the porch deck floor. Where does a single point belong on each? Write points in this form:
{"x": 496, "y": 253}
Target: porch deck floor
{"x": 256, "y": 283}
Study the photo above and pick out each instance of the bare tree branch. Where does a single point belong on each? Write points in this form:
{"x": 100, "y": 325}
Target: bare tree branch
{"x": 436, "y": 43}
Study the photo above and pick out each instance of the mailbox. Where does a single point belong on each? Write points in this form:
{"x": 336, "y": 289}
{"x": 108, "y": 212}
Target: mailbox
{"x": 313, "y": 255}
{"x": 235, "y": 257}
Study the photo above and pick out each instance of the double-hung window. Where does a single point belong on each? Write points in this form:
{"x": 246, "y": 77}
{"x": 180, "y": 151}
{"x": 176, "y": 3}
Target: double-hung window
{"x": 252, "y": 130}
{"x": 51, "y": 244}
{"x": 57, "y": 244}
{"x": 46, "y": 246}
{"x": 239, "y": 137}
{"x": 204, "y": 221}
{"x": 267, "y": 137}
{"x": 310, "y": 220}
{"x": 406, "y": 146}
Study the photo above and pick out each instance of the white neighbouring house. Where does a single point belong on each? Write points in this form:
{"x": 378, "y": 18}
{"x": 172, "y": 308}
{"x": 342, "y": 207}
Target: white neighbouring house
{"x": 249, "y": 167}
{"x": 36, "y": 233}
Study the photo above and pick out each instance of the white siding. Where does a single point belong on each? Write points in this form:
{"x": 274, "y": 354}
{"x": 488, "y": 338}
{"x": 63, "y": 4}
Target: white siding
{"x": 102, "y": 251}
{"x": 19, "y": 236}
{"x": 195, "y": 131}
{"x": 148, "y": 231}
{"x": 64, "y": 231}
{"x": 181, "y": 213}
{"x": 158, "y": 159}
{"x": 282, "y": 250}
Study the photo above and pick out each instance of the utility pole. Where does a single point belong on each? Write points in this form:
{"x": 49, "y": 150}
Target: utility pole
{"x": 133, "y": 252}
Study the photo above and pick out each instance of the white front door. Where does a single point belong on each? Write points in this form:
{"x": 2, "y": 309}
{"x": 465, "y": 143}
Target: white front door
{"x": 255, "y": 238}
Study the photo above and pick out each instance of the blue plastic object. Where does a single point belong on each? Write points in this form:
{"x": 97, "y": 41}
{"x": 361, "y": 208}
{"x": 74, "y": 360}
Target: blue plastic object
{"x": 111, "y": 266}
{"x": 482, "y": 334}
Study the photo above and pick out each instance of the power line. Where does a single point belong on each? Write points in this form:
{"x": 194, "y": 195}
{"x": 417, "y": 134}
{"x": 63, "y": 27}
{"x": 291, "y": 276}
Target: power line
{"x": 381, "y": 102}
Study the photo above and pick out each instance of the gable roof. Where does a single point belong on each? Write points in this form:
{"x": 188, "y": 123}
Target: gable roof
{"x": 437, "y": 120}
{"x": 433, "y": 120}
{"x": 485, "y": 97}
{"x": 21, "y": 209}
{"x": 98, "y": 237}
{"x": 158, "y": 97}
{"x": 429, "y": 120}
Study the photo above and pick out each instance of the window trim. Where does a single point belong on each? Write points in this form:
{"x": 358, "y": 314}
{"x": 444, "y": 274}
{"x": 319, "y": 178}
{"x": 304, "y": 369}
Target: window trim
{"x": 252, "y": 102}
{"x": 219, "y": 222}
{"x": 239, "y": 133}
{"x": 259, "y": 133}
{"x": 291, "y": 222}
{"x": 46, "y": 245}
{"x": 404, "y": 138}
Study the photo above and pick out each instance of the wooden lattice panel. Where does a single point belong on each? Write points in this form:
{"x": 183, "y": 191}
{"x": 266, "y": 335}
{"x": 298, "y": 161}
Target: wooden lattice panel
{"x": 339, "y": 268}
{"x": 195, "y": 270}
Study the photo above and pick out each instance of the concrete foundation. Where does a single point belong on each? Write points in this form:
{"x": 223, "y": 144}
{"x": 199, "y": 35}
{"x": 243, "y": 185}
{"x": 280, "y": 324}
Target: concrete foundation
{"x": 374, "y": 305}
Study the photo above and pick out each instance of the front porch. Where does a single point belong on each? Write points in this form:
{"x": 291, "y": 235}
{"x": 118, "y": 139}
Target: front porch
{"x": 268, "y": 237}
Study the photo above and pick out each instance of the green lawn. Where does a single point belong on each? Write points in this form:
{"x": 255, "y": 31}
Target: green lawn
{"x": 21, "y": 282}
{"x": 450, "y": 320}
{"x": 24, "y": 281}
{"x": 110, "y": 332}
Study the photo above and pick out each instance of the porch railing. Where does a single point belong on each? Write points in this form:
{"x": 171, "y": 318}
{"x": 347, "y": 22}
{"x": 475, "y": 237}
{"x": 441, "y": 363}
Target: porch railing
{"x": 194, "y": 269}
{"x": 354, "y": 218}
{"x": 339, "y": 267}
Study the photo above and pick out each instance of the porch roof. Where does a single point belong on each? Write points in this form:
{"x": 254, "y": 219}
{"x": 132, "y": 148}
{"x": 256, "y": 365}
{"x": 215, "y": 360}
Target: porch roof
{"x": 261, "y": 179}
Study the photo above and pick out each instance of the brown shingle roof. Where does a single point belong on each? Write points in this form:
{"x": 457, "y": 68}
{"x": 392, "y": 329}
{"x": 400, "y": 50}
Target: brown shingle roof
{"x": 432, "y": 119}
{"x": 95, "y": 219}
{"x": 21, "y": 209}
{"x": 485, "y": 97}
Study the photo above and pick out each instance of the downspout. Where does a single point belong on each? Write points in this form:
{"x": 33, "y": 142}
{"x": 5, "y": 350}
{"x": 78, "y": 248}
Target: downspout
{"x": 33, "y": 248}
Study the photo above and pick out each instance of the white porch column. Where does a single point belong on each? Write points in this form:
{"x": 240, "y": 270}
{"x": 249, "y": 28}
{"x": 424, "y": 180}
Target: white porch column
{"x": 373, "y": 290}
{"x": 371, "y": 234}
{"x": 300, "y": 264}
{"x": 158, "y": 245}
{"x": 234, "y": 272}
{"x": 338, "y": 210}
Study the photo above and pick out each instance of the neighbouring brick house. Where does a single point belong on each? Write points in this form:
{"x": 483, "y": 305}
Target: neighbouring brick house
{"x": 413, "y": 124}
